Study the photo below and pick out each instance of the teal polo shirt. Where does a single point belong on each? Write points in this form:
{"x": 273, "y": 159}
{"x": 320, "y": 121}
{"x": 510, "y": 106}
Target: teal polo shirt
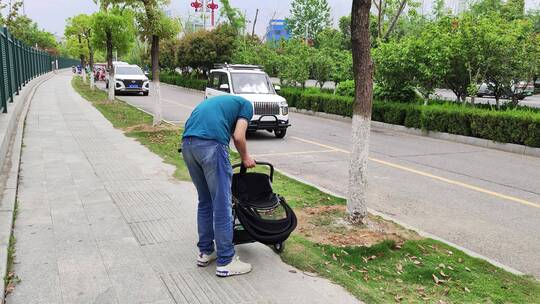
{"x": 215, "y": 118}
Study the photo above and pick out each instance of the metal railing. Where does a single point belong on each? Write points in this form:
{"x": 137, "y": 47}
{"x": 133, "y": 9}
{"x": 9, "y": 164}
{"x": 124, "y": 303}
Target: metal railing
{"x": 20, "y": 63}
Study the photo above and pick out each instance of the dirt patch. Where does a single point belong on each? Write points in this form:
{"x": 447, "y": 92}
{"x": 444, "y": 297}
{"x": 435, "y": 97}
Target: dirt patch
{"x": 149, "y": 128}
{"x": 327, "y": 225}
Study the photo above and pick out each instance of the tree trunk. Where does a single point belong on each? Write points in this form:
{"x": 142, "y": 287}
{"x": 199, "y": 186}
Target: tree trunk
{"x": 112, "y": 82}
{"x": 154, "y": 51}
{"x": 83, "y": 61}
{"x": 361, "y": 123}
{"x": 91, "y": 62}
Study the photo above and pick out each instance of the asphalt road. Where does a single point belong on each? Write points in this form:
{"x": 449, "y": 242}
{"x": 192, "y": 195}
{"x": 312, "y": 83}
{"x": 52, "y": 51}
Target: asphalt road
{"x": 530, "y": 101}
{"x": 485, "y": 200}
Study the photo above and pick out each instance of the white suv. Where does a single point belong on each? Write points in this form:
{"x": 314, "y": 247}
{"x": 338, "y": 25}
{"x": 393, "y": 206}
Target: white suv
{"x": 271, "y": 111}
{"x": 129, "y": 78}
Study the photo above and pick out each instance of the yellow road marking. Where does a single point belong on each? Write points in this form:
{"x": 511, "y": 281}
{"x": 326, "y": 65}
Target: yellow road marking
{"x": 320, "y": 145}
{"x": 293, "y": 153}
{"x": 179, "y": 104}
{"x": 439, "y": 178}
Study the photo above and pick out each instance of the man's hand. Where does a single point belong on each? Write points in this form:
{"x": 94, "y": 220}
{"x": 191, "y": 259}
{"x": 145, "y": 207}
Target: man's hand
{"x": 240, "y": 143}
{"x": 248, "y": 162}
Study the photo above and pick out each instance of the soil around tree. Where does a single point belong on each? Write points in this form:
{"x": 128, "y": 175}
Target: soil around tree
{"x": 328, "y": 225}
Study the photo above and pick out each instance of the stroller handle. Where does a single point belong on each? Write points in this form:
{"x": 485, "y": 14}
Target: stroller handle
{"x": 244, "y": 169}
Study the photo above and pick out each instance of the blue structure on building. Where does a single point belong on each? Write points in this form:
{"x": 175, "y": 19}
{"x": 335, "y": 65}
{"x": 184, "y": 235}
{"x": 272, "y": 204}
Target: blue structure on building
{"x": 277, "y": 30}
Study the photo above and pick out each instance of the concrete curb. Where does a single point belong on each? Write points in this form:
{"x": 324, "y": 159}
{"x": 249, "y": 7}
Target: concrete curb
{"x": 10, "y": 171}
{"x": 409, "y": 227}
{"x": 473, "y": 141}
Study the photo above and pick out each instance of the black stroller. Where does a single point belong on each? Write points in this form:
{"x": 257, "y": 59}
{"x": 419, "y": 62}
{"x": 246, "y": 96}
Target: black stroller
{"x": 260, "y": 215}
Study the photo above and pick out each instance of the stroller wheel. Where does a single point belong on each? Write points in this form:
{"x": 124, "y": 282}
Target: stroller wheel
{"x": 278, "y": 248}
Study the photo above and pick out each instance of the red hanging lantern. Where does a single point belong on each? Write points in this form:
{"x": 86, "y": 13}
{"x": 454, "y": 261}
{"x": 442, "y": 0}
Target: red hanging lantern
{"x": 196, "y": 5}
{"x": 212, "y": 6}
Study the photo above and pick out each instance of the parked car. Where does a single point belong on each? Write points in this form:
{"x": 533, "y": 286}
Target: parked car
{"x": 129, "y": 78}
{"x": 271, "y": 111}
{"x": 485, "y": 89}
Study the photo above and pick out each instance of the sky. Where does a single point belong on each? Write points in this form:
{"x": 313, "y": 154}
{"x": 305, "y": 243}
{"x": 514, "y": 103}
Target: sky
{"x": 51, "y": 14}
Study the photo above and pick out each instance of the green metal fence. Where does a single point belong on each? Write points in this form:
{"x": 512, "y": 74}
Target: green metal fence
{"x": 20, "y": 63}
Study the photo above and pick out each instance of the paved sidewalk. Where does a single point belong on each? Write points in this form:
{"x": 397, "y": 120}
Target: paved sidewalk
{"x": 102, "y": 221}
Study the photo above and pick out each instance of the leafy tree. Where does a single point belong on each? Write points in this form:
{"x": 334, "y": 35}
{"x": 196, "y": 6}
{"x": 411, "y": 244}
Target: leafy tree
{"x": 79, "y": 33}
{"x": 113, "y": 29}
{"x": 235, "y": 17}
{"x": 485, "y": 7}
{"x": 308, "y": 17}
{"x": 342, "y": 67}
{"x": 395, "y": 70}
{"x": 250, "y": 50}
{"x": 514, "y": 9}
{"x": 439, "y": 9}
{"x": 321, "y": 64}
{"x": 533, "y": 16}
{"x": 293, "y": 69}
{"x": 505, "y": 53}
{"x": 168, "y": 57}
{"x": 388, "y": 13}
{"x": 138, "y": 54}
{"x": 200, "y": 50}
{"x": 155, "y": 26}
{"x": 345, "y": 29}
{"x": 329, "y": 38}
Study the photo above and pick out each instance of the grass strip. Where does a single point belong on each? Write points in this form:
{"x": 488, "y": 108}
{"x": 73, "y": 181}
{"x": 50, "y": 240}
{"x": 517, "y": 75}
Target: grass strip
{"x": 416, "y": 271}
{"x": 10, "y": 279}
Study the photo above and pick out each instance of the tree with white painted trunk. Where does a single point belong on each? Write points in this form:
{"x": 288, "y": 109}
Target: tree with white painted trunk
{"x": 363, "y": 77}
{"x": 113, "y": 30}
{"x": 155, "y": 26}
{"x": 79, "y": 28}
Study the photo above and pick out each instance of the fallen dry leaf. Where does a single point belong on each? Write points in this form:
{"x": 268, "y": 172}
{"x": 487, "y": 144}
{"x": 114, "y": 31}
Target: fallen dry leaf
{"x": 435, "y": 279}
{"x": 450, "y": 267}
{"x": 398, "y": 298}
{"x": 442, "y": 266}
{"x": 467, "y": 289}
{"x": 334, "y": 257}
{"x": 467, "y": 268}
{"x": 446, "y": 291}
{"x": 399, "y": 267}
{"x": 443, "y": 274}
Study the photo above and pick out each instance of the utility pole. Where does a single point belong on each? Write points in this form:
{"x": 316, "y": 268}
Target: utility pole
{"x": 254, "y": 22}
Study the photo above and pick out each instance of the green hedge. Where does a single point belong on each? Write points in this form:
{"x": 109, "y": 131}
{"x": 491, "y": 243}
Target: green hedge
{"x": 183, "y": 81}
{"x": 518, "y": 126}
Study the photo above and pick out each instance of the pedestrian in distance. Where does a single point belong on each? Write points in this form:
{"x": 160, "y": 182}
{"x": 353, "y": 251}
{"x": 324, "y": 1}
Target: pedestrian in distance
{"x": 205, "y": 148}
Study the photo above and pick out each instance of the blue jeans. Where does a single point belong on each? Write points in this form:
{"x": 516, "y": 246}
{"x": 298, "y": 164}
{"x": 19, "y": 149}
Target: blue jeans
{"x": 210, "y": 169}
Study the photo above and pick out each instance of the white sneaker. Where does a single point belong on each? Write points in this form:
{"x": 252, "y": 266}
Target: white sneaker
{"x": 204, "y": 260}
{"x": 235, "y": 267}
